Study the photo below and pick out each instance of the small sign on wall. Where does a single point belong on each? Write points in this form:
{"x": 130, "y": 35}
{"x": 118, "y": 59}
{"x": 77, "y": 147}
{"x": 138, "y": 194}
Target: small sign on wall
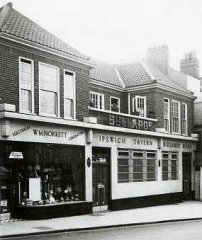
{"x": 16, "y": 155}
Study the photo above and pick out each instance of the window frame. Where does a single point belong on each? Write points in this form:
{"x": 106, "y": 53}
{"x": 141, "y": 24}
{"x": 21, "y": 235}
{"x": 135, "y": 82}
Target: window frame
{"x": 169, "y": 160}
{"x": 74, "y": 93}
{"x": 179, "y": 116}
{"x": 185, "y": 119}
{"x": 112, "y": 97}
{"x": 168, "y": 118}
{"x": 135, "y": 100}
{"x": 32, "y": 87}
{"x": 99, "y": 95}
{"x": 58, "y": 91}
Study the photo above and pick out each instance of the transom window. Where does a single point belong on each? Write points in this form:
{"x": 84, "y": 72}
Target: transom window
{"x": 184, "y": 118}
{"x": 136, "y": 166}
{"x": 166, "y": 114}
{"x": 96, "y": 100}
{"x": 170, "y": 165}
{"x": 69, "y": 94}
{"x": 26, "y": 84}
{"x": 175, "y": 115}
{"x": 139, "y": 105}
{"x": 49, "y": 90}
{"x": 115, "y": 104}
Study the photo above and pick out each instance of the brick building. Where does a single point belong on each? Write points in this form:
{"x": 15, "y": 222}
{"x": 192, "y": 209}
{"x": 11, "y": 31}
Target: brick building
{"x": 78, "y": 136}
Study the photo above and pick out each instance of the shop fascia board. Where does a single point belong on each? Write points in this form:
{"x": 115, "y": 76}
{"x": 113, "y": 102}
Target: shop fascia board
{"x": 73, "y": 123}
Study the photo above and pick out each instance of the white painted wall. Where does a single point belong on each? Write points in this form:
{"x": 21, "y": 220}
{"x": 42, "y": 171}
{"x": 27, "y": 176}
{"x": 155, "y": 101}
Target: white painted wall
{"x": 194, "y": 85}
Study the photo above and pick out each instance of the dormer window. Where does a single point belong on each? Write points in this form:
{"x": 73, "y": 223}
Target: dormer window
{"x": 96, "y": 100}
{"x": 139, "y": 106}
{"x": 114, "y": 104}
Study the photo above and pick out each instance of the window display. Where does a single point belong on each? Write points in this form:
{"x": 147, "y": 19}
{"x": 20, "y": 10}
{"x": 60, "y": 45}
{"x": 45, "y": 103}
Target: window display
{"x": 49, "y": 174}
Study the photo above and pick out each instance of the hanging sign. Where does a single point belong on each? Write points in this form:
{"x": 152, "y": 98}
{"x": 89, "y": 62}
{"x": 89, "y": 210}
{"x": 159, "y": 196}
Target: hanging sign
{"x": 16, "y": 155}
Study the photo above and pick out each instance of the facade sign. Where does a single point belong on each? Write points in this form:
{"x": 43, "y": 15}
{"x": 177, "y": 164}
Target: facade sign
{"x": 126, "y": 141}
{"x": 128, "y": 122}
{"x": 16, "y": 155}
{"x": 171, "y": 144}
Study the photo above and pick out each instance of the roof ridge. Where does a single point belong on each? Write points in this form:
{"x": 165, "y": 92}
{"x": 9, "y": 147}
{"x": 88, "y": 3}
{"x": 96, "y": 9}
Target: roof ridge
{"x": 147, "y": 70}
{"x": 119, "y": 77}
{"x": 4, "y": 13}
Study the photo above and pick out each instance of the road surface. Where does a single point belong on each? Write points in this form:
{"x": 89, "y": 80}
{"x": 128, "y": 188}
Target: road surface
{"x": 191, "y": 230}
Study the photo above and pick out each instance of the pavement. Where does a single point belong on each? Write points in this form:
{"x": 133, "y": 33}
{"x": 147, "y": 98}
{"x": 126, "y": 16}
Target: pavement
{"x": 189, "y": 210}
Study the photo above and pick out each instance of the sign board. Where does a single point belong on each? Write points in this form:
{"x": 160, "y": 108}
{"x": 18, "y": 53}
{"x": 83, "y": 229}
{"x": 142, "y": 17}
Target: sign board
{"x": 16, "y": 155}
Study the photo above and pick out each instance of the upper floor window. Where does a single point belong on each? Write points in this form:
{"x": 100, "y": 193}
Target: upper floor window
{"x": 139, "y": 105}
{"x": 166, "y": 114}
{"x": 184, "y": 118}
{"x": 26, "y": 85}
{"x": 69, "y": 94}
{"x": 96, "y": 100}
{"x": 114, "y": 104}
{"x": 175, "y": 115}
{"x": 49, "y": 90}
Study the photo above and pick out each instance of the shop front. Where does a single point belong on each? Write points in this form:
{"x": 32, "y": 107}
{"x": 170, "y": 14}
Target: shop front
{"x": 147, "y": 170}
{"x": 46, "y": 171}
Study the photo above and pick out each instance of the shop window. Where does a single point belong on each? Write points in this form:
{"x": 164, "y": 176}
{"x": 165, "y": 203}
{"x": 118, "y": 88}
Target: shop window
{"x": 50, "y": 174}
{"x": 96, "y": 100}
{"x": 166, "y": 114}
{"x": 169, "y": 166}
{"x": 139, "y": 106}
{"x": 49, "y": 90}
{"x": 175, "y": 115}
{"x": 184, "y": 118}
{"x": 114, "y": 104}
{"x": 69, "y": 95}
{"x": 137, "y": 166}
{"x": 26, "y": 84}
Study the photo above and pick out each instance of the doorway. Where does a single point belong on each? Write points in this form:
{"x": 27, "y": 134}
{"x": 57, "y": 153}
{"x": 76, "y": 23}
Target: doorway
{"x": 186, "y": 171}
{"x": 101, "y": 178}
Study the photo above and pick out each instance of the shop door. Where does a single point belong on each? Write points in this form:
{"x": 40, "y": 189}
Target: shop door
{"x": 186, "y": 160}
{"x": 101, "y": 188}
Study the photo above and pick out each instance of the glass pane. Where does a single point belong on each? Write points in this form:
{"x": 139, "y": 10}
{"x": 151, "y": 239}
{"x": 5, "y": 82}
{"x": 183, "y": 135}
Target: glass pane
{"x": 165, "y": 176}
{"x": 120, "y": 153}
{"x": 137, "y": 177}
{"x": 138, "y": 154}
{"x": 123, "y": 162}
{"x": 68, "y": 86}
{"x": 48, "y": 102}
{"x": 68, "y": 108}
{"x": 123, "y": 177}
{"x": 26, "y": 100}
{"x": 137, "y": 162}
{"x": 138, "y": 169}
{"x": 48, "y": 77}
{"x": 123, "y": 169}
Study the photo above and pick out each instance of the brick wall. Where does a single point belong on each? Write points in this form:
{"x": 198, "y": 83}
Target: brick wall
{"x": 9, "y": 68}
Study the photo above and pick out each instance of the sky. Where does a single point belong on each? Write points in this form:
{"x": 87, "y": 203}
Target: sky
{"x": 120, "y": 31}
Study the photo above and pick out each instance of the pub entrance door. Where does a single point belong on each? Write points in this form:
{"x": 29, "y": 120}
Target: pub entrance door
{"x": 186, "y": 165}
{"x": 101, "y": 179}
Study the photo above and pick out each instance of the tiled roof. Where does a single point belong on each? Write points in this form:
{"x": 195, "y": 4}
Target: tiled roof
{"x": 133, "y": 74}
{"x": 14, "y": 23}
{"x": 106, "y": 74}
{"x": 165, "y": 80}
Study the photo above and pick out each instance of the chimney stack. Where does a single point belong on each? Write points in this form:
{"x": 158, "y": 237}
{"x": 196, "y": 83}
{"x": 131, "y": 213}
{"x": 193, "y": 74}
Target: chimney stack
{"x": 190, "y": 64}
{"x": 159, "y": 57}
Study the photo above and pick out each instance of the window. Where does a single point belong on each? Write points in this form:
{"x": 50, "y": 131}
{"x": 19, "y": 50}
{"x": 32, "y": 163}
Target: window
{"x": 166, "y": 114}
{"x": 69, "y": 95}
{"x": 49, "y": 90}
{"x": 115, "y": 104}
{"x": 137, "y": 166}
{"x": 169, "y": 165}
{"x": 139, "y": 105}
{"x": 26, "y": 85}
{"x": 97, "y": 100}
{"x": 184, "y": 118}
{"x": 175, "y": 115}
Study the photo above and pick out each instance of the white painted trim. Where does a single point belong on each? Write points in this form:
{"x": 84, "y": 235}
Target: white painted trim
{"x": 129, "y": 105}
{"x": 123, "y": 114}
{"x": 169, "y": 109}
{"x": 119, "y": 105}
{"x": 47, "y": 49}
{"x": 32, "y": 87}
{"x": 74, "y": 93}
{"x": 103, "y": 102}
{"x": 119, "y": 77}
{"x": 73, "y": 123}
{"x": 58, "y": 92}
{"x": 186, "y": 115}
{"x": 179, "y": 113}
{"x": 105, "y": 85}
{"x": 135, "y": 99}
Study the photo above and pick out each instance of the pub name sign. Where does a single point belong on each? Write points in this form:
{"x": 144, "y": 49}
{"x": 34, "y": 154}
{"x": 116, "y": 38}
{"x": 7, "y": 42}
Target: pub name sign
{"x": 127, "y": 122}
